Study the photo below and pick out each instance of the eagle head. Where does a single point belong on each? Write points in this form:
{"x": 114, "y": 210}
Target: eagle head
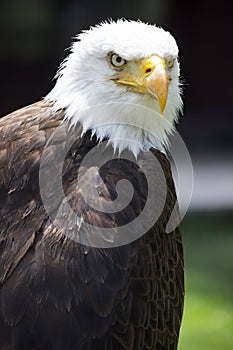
{"x": 121, "y": 80}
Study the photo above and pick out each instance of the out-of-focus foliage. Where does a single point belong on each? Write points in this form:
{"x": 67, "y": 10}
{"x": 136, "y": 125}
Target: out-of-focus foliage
{"x": 208, "y": 317}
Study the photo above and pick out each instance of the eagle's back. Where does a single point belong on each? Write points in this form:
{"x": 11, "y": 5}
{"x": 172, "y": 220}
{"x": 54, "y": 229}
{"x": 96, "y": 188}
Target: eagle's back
{"x": 58, "y": 294}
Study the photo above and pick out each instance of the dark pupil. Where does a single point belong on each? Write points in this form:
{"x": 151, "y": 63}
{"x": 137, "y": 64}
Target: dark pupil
{"x": 118, "y": 59}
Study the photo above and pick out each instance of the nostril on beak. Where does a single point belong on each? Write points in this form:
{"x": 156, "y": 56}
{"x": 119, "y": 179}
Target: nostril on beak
{"x": 148, "y": 70}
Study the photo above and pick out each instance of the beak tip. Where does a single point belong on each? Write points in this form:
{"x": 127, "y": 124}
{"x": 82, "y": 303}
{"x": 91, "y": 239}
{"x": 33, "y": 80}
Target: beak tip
{"x": 162, "y": 108}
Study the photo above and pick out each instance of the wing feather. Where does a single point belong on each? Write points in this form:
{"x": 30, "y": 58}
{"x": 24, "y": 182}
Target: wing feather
{"x": 58, "y": 294}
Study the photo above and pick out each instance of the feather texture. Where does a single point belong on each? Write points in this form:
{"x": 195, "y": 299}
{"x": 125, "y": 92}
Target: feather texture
{"x": 58, "y": 294}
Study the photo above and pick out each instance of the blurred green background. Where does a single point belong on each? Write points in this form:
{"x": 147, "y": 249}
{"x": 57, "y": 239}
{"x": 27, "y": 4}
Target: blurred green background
{"x": 208, "y": 316}
{"x": 34, "y": 35}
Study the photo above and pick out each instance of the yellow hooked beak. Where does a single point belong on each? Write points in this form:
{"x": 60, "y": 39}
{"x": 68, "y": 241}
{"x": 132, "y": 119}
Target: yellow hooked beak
{"x": 146, "y": 76}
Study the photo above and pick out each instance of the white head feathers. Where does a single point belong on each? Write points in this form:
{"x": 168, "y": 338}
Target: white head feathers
{"x": 86, "y": 91}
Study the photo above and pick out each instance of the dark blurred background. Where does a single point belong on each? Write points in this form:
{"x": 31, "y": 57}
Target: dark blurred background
{"x": 33, "y": 37}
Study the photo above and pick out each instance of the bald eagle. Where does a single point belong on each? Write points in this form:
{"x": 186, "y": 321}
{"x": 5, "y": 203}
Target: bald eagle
{"x": 86, "y": 262}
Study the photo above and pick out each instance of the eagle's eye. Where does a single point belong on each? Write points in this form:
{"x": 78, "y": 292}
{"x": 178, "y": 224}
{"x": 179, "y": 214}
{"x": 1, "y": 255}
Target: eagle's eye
{"x": 170, "y": 63}
{"x": 117, "y": 61}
